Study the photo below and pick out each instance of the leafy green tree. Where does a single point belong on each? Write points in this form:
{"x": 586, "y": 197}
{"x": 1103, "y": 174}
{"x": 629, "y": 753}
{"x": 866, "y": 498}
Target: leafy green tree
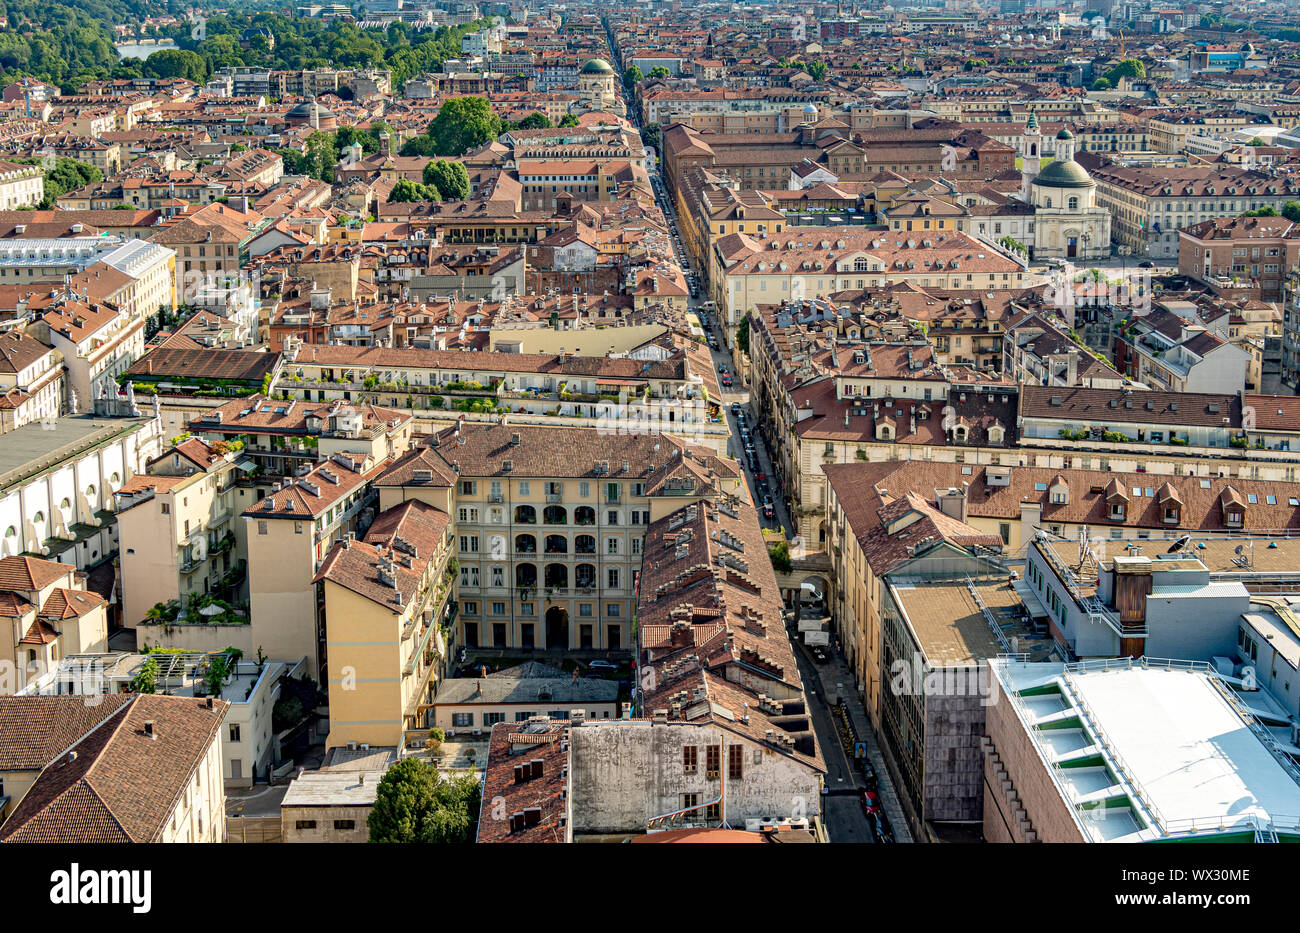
{"x": 1266, "y": 211}
{"x": 462, "y": 124}
{"x": 569, "y": 120}
{"x": 412, "y": 804}
{"x": 407, "y": 190}
{"x": 659, "y": 71}
{"x": 1291, "y": 211}
{"x": 534, "y": 121}
{"x": 818, "y": 70}
{"x": 176, "y": 63}
{"x": 780, "y": 556}
{"x": 653, "y": 135}
{"x": 449, "y": 179}
{"x": 632, "y": 76}
{"x": 146, "y": 679}
{"x": 973, "y": 63}
{"x": 1128, "y": 68}
{"x": 1101, "y": 84}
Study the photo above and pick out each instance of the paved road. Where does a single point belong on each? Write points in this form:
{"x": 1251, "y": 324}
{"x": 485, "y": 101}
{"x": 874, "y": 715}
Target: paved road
{"x": 842, "y": 806}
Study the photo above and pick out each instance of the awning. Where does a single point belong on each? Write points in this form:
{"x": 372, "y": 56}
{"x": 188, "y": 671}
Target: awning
{"x": 246, "y": 464}
{"x": 618, "y": 382}
{"x": 1033, "y": 604}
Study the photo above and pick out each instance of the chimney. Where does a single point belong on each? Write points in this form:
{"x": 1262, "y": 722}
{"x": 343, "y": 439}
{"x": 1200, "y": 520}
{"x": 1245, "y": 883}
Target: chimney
{"x": 148, "y": 729}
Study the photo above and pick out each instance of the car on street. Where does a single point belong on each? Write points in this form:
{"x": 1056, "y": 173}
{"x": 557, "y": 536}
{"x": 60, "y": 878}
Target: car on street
{"x": 735, "y": 410}
{"x": 601, "y": 665}
{"x": 768, "y": 511}
{"x": 727, "y": 381}
{"x": 722, "y": 368}
{"x": 870, "y": 803}
{"x": 1146, "y": 264}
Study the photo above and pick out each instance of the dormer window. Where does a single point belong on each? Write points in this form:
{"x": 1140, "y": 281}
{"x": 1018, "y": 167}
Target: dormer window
{"x": 1172, "y": 515}
{"x": 1117, "y": 510}
{"x": 1233, "y": 517}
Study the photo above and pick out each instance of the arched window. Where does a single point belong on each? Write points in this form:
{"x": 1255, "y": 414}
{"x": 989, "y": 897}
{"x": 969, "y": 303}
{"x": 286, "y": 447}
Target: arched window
{"x": 584, "y": 544}
{"x": 525, "y": 515}
{"x": 66, "y": 503}
{"x": 584, "y": 576}
{"x": 584, "y": 515}
{"x": 38, "y": 518}
{"x": 525, "y": 575}
{"x": 557, "y": 544}
{"x": 557, "y": 575}
{"x": 525, "y": 544}
{"x": 556, "y": 515}
{"x": 1074, "y": 204}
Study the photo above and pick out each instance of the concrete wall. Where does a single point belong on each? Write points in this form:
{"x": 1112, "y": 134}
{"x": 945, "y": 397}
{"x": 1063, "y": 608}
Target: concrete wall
{"x": 1020, "y": 795}
{"x": 324, "y": 818}
{"x": 627, "y": 772}
{"x": 1194, "y": 626}
{"x": 197, "y": 637}
{"x": 954, "y": 766}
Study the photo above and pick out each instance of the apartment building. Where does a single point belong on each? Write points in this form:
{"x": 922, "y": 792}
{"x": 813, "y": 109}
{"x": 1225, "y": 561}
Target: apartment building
{"x": 1231, "y": 251}
{"x": 550, "y": 524}
{"x": 746, "y": 271}
{"x": 50, "y": 614}
{"x": 1148, "y": 206}
{"x": 178, "y": 529}
{"x": 1173, "y": 350}
{"x": 281, "y": 435}
{"x": 249, "y": 748}
{"x": 1175, "y": 750}
{"x": 21, "y": 185}
{"x": 32, "y": 381}
{"x": 211, "y": 245}
{"x": 131, "y": 768}
{"x": 97, "y": 342}
{"x": 289, "y": 533}
{"x": 388, "y": 617}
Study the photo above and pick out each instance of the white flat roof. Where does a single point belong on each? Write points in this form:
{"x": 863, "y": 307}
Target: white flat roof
{"x": 1189, "y": 753}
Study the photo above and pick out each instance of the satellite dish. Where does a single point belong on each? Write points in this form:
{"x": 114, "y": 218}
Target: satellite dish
{"x": 198, "y": 547}
{"x": 1179, "y": 544}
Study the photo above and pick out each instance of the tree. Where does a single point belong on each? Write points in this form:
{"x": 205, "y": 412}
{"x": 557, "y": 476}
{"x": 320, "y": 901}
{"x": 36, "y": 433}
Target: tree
{"x": 1291, "y": 211}
{"x": 1266, "y": 211}
{"x": 146, "y": 679}
{"x": 449, "y": 179}
{"x": 973, "y": 63}
{"x": 632, "y": 76}
{"x": 534, "y": 121}
{"x": 176, "y": 63}
{"x": 742, "y": 335}
{"x": 406, "y": 190}
{"x": 1256, "y": 141}
{"x": 1128, "y": 68}
{"x": 818, "y": 70}
{"x": 659, "y": 71}
{"x": 780, "y": 556}
{"x": 1101, "y": 84}
{"x": 412, "y": 804}
{"x": 462, "y": 124}
{"x": 653, "y": 135}
{"x": 569, "y": 120}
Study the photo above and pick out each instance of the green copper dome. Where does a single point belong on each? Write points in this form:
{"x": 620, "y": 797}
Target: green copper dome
{"x": 1067, "y": 174}
{"x": 597, "y": 66}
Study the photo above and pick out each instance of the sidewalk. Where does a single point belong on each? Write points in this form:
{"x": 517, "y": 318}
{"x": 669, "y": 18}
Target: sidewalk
{"x": 837, "y": 681}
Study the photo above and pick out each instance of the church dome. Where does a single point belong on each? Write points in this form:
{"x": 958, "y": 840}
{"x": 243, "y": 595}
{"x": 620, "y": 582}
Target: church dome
{"x": 1064, "y": 174}
{"x": 597, "y": 66}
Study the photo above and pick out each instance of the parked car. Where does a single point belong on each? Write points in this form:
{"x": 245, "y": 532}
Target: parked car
{"x": 600, "y": 665}
{"x": 722, "y": 368}
{"x": 768, "y": 511}
{"x": 727, "y": 381}
{"x": 735, "y": 410}
{"x": 1146, "y": 264}
{"x": 870, "y": 803}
